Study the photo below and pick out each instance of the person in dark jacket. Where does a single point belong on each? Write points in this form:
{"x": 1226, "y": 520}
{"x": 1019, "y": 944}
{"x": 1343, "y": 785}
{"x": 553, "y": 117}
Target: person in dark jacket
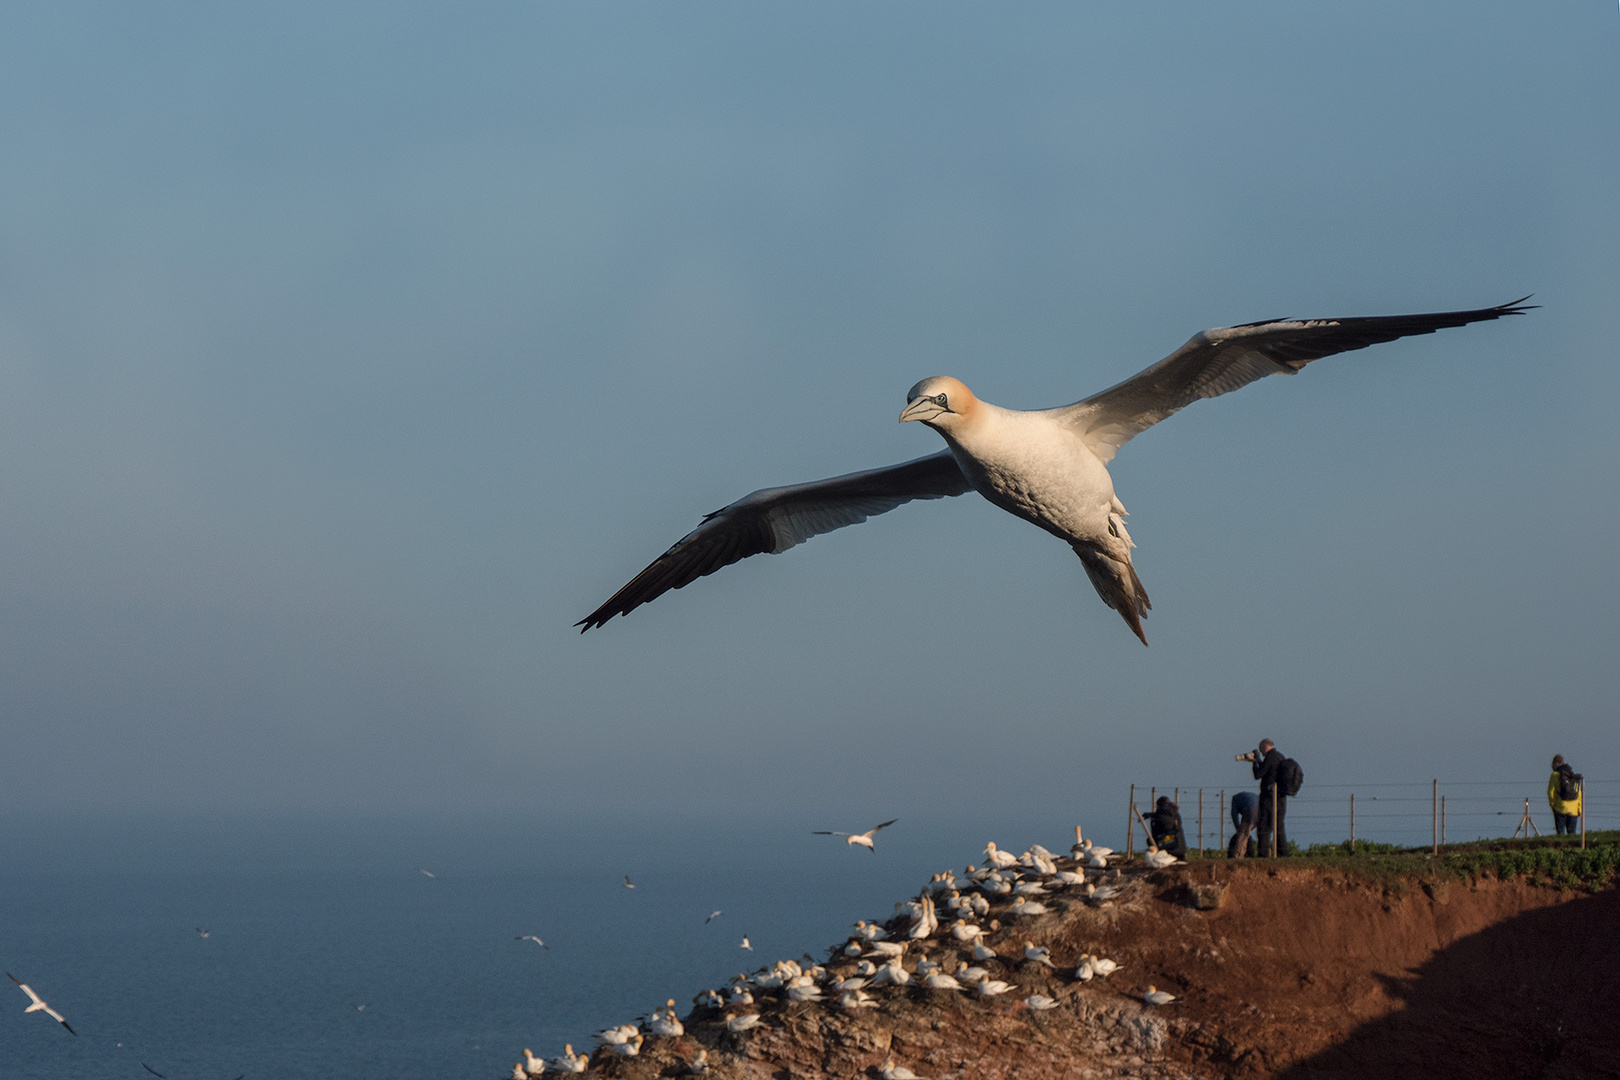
{"x": 1268, "y": 770}
{"x": 1245, "y": 809}
{"x": 1165, "y": 823}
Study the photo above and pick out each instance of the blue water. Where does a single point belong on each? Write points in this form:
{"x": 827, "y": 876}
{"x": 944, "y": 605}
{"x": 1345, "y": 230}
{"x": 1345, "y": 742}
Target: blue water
{"x": 304, "y": 927}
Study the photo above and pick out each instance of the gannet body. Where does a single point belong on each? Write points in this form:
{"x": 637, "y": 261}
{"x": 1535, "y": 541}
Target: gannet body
{"x": 1039, "y": 1003}
{"x": 863, "y": 839}
{"x": 532, "y": 1065}
{"x": 735, "y": 1024}
{"x": 891, "y": 1071}
{"x": 37, "y": 1004}
{"x": 1157, "y": 997}
{"x": 1048, "y": 467}
{"x": 571, "y": 1062}
{"x": 992, "y": 988}
{"x": 1038, "y": 953}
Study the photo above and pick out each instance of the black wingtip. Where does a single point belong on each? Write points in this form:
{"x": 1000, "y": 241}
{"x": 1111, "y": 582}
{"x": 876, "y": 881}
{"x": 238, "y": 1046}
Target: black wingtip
{"x": 151, "y": 1070}
{"x": 65, "y": 1024}
{"x": 1517, "y": 307}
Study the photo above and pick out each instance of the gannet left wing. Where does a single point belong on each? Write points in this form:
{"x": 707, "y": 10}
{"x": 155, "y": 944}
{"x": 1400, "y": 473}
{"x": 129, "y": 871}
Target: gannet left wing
{"x": 1228, "y": 358}
{"x": 772, "y": 520}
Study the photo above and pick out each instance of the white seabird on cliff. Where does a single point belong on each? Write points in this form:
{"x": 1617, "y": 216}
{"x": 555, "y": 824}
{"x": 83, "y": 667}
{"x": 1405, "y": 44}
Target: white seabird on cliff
{"x": 863, "y": 839}
{"x": 1155, "y": 996}
{"x": 1047, "y": 466}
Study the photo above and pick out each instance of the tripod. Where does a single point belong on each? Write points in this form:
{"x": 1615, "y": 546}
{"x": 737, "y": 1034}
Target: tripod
{"x": 1526, "y": 826}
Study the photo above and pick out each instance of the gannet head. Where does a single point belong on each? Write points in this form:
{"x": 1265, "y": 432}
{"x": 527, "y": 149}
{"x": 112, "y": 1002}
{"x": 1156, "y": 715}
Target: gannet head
{"x": 940, "y": 402}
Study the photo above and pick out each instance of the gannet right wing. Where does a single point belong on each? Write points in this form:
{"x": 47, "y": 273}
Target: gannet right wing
{"x": 772, "y": 520}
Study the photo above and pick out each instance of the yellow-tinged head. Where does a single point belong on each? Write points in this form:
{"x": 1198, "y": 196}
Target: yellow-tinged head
{"x": 940, "y": 402}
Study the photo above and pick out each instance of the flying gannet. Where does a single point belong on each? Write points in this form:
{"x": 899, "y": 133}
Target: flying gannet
{"x": 537, "y": 941}
{"x": 38, "y": 1004}
{"x": 863, "y": 839}
{"x": 1046, "y": 466}
{"x": 204, "y": 934}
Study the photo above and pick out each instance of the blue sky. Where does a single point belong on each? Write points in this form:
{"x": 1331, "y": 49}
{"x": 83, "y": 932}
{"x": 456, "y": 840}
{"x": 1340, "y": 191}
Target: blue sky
{"x": 353, "y": 352}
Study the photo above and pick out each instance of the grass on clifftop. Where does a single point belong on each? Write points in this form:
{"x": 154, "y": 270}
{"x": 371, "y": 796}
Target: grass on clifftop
{"x": 1551, "y": 861}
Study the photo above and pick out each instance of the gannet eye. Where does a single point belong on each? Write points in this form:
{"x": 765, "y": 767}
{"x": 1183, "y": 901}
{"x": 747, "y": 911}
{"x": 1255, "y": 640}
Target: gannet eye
{"x": 940, "y": 398}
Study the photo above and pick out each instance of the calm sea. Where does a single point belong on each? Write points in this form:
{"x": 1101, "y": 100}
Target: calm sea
{"x": 308, "y": 922}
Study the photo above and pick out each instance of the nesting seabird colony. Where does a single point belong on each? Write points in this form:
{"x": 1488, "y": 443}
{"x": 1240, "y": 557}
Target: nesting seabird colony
{"x": 1048, "y": 467}
{"x": 969, "y": 934}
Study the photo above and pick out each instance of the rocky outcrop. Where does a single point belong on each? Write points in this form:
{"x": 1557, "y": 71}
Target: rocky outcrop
{"x": 1279, "y": 970}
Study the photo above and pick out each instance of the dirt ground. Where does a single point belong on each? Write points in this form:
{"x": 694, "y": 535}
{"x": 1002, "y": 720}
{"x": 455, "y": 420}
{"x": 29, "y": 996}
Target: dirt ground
{"x": 1299, "y": 972}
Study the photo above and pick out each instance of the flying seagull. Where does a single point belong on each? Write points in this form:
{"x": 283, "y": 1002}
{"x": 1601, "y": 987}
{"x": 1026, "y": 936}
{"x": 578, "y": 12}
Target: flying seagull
{"x": 864, "y": 839}
{"x": 627, "y": 882}
{"x": 537, "y": 941}
{"x": 713, "y": 915}
{"x": 1047, "y": 466}
{"x": 203, "y": 933}
{"x": 39, "y": 1004}
{"x": 429, "y": 873}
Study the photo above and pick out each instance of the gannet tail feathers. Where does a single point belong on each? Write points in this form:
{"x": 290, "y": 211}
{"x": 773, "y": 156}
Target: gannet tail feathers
{"x": 1116, "y": 582}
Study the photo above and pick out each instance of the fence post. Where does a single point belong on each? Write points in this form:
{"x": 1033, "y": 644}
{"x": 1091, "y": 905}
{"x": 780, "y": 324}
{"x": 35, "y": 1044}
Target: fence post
{"x": 1130, "y": 823}
{"x": 1352, "y": 823}
{"x": 1434, "y": 813}
{"x": 1201, "y": 822}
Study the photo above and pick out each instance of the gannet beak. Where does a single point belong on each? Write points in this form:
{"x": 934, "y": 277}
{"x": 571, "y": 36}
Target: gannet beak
{"x": 922, "y": 408}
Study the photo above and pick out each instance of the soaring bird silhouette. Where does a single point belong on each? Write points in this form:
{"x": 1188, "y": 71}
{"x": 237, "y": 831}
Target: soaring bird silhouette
{"x": 1047, "y": 466}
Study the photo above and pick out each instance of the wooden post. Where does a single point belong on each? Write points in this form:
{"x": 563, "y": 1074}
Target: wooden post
{"x": 1130, "y": 823}
{"x": 1201, "y": 822}
{"x": 1273, "y": 821}
{"x": 1434, "y": 812}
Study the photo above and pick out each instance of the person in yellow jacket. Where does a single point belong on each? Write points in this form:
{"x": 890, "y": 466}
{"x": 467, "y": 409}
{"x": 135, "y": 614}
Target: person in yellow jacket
{"x": 1564, "y": 796}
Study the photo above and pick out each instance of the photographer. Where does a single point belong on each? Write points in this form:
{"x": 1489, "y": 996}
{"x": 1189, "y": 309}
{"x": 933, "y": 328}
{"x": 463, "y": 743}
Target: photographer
{"x": 1267, "y": 764}
{"x": 1165, "y": 826}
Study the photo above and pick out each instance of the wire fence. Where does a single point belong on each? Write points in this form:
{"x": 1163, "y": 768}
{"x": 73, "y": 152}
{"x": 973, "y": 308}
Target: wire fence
{"x": 1406, "y": 814}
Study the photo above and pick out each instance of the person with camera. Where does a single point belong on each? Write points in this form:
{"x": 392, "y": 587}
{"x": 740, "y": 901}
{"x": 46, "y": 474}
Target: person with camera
{"x": 1268, "y": 765}
{"x": 1165, "y": 826}
{"x": 1564, "y": 796}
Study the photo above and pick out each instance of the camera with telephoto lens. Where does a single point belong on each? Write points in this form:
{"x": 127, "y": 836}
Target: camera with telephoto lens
{"x": 1252, "y": 755}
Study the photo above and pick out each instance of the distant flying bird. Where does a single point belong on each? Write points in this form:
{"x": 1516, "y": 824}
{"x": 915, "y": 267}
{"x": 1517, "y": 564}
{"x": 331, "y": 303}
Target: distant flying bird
{"x": 39, "y": 1004}
{"x": 713, "y": 915}
{"x": 361, "y": 1008}
{"x": 429, "y": 873}
{"x": 627, "y": 883}
{"x": 746, "y": 944}
{"x": 862, "y": 839}
{"x": 1047, "y": 466}
{"x": 537, "y": 941}
{"x": 203, "y": 933}
{"x": 160, "y": 1076}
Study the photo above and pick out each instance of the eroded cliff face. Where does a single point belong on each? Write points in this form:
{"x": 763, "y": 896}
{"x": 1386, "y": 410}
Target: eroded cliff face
{"x": 1297, "y": 972}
